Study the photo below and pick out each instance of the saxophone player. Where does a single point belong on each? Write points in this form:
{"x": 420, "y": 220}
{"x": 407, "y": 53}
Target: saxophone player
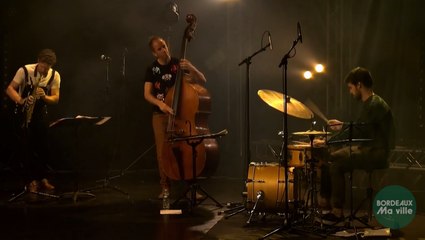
{"x": 33, "y": 87}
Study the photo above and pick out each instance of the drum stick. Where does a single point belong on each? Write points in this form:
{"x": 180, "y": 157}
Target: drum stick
{"x": 313, "y": 107}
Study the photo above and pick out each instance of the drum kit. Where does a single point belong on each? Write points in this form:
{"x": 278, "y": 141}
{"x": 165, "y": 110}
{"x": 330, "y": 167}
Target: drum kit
{"x": 266, "y": 185}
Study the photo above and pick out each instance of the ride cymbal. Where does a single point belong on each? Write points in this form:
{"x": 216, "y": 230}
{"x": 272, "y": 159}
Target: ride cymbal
{"x": 275, "y": 100}
{"x": 311, "y": 132}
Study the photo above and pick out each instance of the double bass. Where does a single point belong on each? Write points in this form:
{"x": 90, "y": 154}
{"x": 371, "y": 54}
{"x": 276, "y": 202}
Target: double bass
{"x": 191, "y": 106}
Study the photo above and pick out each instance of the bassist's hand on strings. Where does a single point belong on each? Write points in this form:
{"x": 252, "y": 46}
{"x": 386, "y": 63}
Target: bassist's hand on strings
{"x": 186, "y": 65}
{"x": 194, "y": 74}
{"x": 165, "y": 108}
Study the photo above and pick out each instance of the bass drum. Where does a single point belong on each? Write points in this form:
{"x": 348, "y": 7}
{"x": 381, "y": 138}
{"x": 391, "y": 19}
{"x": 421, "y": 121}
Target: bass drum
{"x": 269, "y": 178}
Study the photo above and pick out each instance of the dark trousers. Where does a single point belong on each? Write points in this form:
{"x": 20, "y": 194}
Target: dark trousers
{"x": 32, "y": 146}
{"x": 344, "y": 160}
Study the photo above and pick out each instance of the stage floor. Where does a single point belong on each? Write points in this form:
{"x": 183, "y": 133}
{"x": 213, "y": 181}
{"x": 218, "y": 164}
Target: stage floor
{"x": 114, "y": 215}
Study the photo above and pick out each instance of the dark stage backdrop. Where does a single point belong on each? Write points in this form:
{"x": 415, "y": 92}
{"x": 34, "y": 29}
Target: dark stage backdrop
{"x": 385, "y": 36}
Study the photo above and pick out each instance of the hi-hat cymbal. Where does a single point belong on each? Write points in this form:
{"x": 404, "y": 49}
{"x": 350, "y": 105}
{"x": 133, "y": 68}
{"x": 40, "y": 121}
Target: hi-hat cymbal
{"x": 311, "y": 132}
{"x": 275, "y": 100}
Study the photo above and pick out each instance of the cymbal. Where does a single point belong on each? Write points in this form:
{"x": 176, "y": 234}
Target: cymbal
{"x": 311, "y": 132}
{"x": 275, "y": 100}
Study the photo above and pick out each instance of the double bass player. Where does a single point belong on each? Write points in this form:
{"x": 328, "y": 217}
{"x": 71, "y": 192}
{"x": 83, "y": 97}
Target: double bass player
{"x": 160, "y": 76}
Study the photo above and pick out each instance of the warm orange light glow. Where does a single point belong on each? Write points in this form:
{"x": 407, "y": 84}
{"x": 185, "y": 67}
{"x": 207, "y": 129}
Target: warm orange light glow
{"x": 319, "y": 68}
{"x": 308, "y": 75}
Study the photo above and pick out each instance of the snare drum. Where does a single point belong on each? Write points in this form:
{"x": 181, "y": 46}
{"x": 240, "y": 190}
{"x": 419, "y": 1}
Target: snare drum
{"x": 270, "y": 179}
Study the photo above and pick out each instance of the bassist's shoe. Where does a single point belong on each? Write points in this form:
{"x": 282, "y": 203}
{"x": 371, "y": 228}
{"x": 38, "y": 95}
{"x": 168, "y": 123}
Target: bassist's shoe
{"x": 46, "y": 185}
{"x": 32, "y": 187}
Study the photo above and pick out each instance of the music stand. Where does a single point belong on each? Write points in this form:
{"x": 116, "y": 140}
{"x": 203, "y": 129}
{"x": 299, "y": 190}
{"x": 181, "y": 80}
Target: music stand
{"x": 194, "y": 186}
{"x": 76, "y": 123}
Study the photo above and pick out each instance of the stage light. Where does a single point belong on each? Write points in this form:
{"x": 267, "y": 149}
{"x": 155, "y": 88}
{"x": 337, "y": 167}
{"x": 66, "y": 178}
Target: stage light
{"x": 308, "y": 75}
{"x": 319, "y": 68}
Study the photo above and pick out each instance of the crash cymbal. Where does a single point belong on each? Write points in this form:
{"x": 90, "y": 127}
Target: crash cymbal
{"x": 311, "y": 132}
{"x": 275, "y": 100}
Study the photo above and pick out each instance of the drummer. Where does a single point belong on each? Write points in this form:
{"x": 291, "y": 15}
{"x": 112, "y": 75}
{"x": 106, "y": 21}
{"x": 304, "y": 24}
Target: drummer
{"x": 374, "y": 125}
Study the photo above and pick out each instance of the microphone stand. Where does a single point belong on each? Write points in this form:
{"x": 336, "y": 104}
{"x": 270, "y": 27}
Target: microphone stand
{"x": 106, "y": 182}
{"x": 284, "y": 156}
{"x": 247, "y": 61}
{"x": 241, "y": 207}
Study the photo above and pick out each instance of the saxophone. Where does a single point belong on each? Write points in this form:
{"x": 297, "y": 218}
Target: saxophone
{"x": 29, "y": 108}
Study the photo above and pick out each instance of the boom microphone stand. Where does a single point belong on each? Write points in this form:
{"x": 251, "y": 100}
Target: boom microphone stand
{"x": 106, "y": 182}
{"x": 241, "y": 207}
{"x": 247, "y": 61}
{"x": 284, "y": 157}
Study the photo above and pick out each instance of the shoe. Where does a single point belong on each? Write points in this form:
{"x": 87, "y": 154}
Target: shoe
{"x": 331, "y": 219}
{"x": 32, "y": 186}
{"x": 46, "y": 185}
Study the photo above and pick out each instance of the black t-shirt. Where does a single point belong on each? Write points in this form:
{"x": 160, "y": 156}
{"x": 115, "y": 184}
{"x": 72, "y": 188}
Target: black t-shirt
{"x": 162, "y": 78}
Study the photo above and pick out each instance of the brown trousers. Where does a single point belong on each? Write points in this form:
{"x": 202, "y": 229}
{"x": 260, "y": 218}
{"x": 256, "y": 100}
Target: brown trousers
{"x": 159, "y": 123}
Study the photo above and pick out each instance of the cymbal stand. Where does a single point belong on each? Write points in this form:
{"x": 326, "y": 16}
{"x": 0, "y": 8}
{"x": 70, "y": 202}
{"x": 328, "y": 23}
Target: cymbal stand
{"x": 311, "y": 210}
{"x": 312, "y": 190}
{"x": 287, "y": 224}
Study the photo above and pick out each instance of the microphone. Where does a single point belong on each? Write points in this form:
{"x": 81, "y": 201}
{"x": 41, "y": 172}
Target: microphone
{"x": 300, "y": 35}
{"x": 270, "y": 41}
{"x": 103, "y": 57}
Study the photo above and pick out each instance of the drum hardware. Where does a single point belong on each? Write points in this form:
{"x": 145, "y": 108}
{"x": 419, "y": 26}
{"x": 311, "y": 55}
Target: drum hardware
{"x": 312, "y": 189}
{"x": 260, "y": 196}
{"x": 309, "y": 208}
